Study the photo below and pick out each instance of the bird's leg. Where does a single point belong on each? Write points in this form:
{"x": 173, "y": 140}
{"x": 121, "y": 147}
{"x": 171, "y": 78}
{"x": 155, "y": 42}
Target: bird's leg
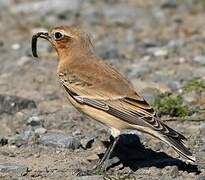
{"x": 102, "y": 165}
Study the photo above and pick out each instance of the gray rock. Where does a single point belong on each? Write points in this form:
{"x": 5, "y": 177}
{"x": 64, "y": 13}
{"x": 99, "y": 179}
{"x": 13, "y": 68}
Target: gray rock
{"x": 40, "y": 130}
{"x": 199, "y": 59}
{"x": 157, "y": 51}
{"x": 13, "y": 104}
{"x": 21, "y": 139}
{"x": 13, "y": 168}
{"x": 26, "y": 135}
{"x": 59, "y": 140}
{"x": 174, "y": 85}
{"x": 35, "y": 121}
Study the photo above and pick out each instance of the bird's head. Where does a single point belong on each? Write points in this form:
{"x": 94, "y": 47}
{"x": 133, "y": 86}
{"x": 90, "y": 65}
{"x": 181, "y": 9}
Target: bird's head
{"x": 64, "y": 39}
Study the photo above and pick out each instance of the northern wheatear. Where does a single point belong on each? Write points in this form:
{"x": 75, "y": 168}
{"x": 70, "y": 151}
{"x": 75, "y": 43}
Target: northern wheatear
{"x": 101, "y": 92}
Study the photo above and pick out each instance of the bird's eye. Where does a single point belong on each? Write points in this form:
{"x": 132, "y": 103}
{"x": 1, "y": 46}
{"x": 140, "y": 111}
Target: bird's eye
{"x": 58, "y": 36}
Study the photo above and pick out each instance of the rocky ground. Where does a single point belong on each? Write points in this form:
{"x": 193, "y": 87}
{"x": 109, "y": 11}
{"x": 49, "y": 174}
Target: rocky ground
{"x": 158, "y": 45}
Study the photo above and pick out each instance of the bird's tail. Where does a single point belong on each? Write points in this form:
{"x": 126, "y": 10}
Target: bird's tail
{"x": 178, "y": 145}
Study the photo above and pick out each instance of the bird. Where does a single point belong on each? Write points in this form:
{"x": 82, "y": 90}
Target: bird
{"x": 98, "y": 90}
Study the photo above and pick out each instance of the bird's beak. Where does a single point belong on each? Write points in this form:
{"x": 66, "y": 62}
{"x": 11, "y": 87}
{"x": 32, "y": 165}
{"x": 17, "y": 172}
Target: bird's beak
{"x": 35, "y": 37}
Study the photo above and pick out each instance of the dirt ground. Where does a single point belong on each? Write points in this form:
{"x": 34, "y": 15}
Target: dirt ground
{"x": 158, "y": 45}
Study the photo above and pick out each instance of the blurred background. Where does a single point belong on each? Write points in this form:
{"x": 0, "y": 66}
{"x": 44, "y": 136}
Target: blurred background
{"x": 158, "y": 45}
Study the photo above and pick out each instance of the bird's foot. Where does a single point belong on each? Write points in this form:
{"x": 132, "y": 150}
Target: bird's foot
{"x": 98, "y": 170}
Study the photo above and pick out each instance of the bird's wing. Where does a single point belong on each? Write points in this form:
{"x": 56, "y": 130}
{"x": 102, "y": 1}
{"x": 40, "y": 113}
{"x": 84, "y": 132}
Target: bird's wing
{"x": 134, "y": 110}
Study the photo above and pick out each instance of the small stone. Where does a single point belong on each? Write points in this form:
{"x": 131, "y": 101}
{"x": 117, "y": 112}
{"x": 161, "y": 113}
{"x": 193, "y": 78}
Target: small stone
{"x": 92, "y": 157}
{"x": 156, "y": 51}
{"x": 88, "y": 141}
{"x": 26, "y": 135}
{"x": 199, "y": 59}
{"x": 3, "y": 141}
{"x": 161, "y": 52}
{"x": 40, "y": 130}
{"x": 15, "y": 46}
{"x": 13, "y": 168}
{"x": 35, "y": 121}
{"x": 59, "y": 140}
{"x": 174, "y": 85}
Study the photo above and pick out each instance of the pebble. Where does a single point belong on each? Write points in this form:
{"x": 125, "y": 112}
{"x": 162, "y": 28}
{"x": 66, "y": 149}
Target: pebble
{"x": 40, "y": 131}
{"x": 199, "y": 59}
{"x": 88, "y": 140}
{"x": 92, "y": 157}
{"x": 15, "y": 46}
{"x": 160, "y": 52}
{"x": 156, "y": 51}
{"x": 26, "y": 135}
{"x": 59, "y": 140}
{"x": 35, "y": 121}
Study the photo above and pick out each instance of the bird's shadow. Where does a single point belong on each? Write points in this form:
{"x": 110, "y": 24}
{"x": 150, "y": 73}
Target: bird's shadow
{"x": 134, "y": 155}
